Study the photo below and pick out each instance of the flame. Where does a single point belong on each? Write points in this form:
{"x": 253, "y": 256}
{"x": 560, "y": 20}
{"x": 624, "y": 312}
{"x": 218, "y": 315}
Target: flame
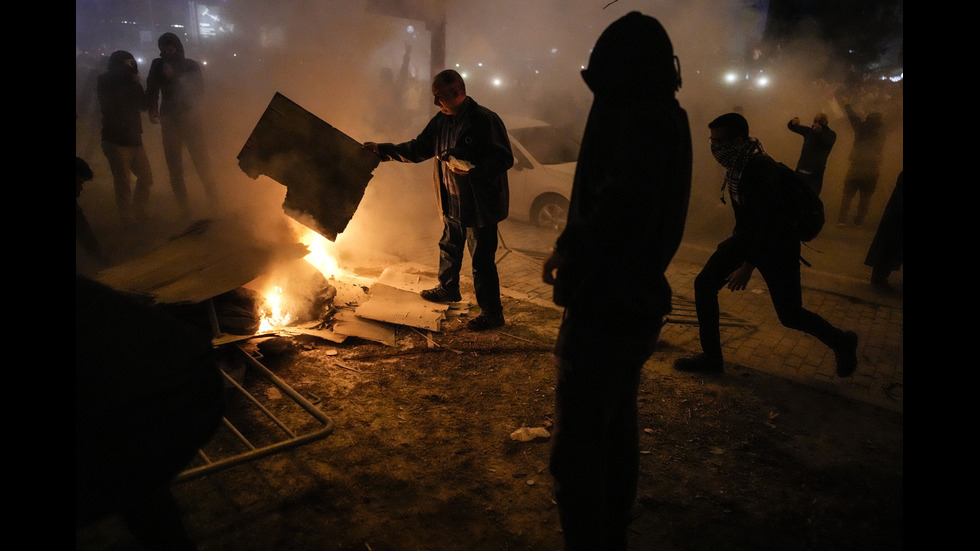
{"x": 320, "y": 256}
{"x": 276, "y": 317}
{"x": 272, "y": 316}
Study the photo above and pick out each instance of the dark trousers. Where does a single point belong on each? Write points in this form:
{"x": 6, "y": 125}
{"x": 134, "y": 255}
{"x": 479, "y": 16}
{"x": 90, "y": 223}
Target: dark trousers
{"x": 180, "y": 132}
{"x": 864, "y": 188}
{"x": 482, "y": 244}
{"x": 595, "y": 443}
{"x": 781, "y": 271}
{"x": 123, "y": 162}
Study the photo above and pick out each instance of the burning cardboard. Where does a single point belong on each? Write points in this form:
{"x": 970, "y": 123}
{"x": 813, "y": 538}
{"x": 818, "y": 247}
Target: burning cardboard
{"x": 207, "y": 260}
{"x": 324, "y": 170}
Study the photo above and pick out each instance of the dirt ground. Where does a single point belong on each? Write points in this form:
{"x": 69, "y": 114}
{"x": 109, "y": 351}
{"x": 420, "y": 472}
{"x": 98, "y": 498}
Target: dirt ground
{"x": 422, "y": 455}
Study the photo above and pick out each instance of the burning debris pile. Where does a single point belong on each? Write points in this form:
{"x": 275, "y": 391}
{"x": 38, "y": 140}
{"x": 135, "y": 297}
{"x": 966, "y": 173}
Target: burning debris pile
{"x": 300, "y": 299}
{"x": 256, "y": 279}
{"x": 296, "y": 293}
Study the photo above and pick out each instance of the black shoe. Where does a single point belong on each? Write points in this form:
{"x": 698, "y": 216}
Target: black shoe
{"x": 846, "y": 354}
{"x": 440, "y": 294}
{"x": 484, "y": 322}
{"x": 700, "y": 363}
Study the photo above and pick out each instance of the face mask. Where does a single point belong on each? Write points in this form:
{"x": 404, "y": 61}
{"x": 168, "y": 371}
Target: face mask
{"x": 724, "y": 154}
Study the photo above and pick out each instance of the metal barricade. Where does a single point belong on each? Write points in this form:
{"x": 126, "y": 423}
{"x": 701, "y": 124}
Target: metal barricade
{"x": 251, "y": 429}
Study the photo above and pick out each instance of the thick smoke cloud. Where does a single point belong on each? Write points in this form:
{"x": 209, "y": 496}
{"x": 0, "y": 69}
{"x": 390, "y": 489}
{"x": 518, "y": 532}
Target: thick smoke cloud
{"x": 368, "y": 75}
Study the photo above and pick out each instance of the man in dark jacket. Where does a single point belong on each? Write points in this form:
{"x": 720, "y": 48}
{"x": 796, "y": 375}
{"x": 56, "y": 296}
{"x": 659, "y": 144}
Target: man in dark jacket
{"x": 473, "y": 155}
{"x": 818, "y": 141}
{"x": 174, "y": 91}
{"x": 626, "y": 219}
{"x": 759, "y": 240}
{"x": 120, "y": 96}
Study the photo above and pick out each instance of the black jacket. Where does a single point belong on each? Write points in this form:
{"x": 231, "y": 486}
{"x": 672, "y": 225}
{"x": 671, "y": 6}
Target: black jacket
{"x": 760, "y": 227}
{"x": 475, "y": 134}
{"x": 632, "y": 182}
{"x": 121, "y": 101}
{"x": 816, "y": 148}
{"x": 180, "y": 93}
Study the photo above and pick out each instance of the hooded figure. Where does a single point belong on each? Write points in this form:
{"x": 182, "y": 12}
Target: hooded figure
{"x": 626, "y": 219}
{"x": 177, "y": 79}
{"x": 632, "y": 184}
{"x": 121, "y": 100}
{"x": 174, "y": 90}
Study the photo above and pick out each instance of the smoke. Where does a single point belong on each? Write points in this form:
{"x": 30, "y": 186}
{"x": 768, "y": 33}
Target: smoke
{"x": 368, "y": 75}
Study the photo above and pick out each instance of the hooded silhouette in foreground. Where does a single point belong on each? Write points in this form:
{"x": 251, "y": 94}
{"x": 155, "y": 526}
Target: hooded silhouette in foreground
{"x": 626, "y": 219}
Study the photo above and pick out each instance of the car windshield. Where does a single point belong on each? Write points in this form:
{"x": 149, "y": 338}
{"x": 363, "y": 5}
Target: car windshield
{"x": 547, "y": 144}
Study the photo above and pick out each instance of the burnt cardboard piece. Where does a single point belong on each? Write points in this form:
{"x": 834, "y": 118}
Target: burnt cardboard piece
{"x": 324, "y": 170}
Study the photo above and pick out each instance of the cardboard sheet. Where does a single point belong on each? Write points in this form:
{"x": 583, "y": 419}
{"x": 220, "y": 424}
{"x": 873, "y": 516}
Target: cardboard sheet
{"x": 210, "y": 258}
{"x": 324, "y": 170}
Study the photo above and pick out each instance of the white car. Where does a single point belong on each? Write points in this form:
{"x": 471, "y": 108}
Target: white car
{"x": 541, "y": 179}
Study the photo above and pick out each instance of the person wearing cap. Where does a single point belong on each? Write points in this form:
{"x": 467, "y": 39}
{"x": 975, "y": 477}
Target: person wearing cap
{"x": 818, "y": 141}
{"x": 626, "y": 219}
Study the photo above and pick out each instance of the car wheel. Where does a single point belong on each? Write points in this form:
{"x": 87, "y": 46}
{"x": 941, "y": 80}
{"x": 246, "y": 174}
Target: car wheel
{"x": 550, "y": 211}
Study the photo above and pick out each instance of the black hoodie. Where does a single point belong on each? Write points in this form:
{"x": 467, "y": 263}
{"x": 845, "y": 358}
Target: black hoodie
{"x": 633, "y": 180}
{"x": 121, "y": 100}
{"x": 181, "y": 92}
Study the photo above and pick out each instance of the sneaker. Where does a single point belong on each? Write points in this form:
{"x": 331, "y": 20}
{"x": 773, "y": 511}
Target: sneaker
{"x": 846, "y": 354}
{"x": 440, "y": 294}
{"x": 484, "y": 322}
{"x": 700, "y": 363}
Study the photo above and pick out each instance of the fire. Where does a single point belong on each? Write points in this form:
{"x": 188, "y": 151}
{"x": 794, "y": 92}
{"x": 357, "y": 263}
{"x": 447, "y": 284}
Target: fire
{"x": 319, "y": 255}
{"x": 273, "y": 315}
{"x": 276, "y": 317}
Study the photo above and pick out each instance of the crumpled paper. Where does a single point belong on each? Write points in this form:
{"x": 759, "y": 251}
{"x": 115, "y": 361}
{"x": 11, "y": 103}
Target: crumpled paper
{"x": 459, "y": 164}
{"x": 527, "y": 434}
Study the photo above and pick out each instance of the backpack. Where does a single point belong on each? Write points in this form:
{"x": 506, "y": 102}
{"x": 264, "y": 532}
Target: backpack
{"x": 803, "y": 207}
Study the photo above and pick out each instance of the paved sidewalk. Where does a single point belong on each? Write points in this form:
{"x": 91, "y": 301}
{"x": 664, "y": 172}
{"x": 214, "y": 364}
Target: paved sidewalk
{"x": 753, "y": 338}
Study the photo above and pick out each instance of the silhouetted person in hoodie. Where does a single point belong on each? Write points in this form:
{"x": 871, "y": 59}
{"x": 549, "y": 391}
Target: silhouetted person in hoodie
{"x": 626, "y": 220}
{"x": 174, "y": 91}
{"x": 121, "y": 101}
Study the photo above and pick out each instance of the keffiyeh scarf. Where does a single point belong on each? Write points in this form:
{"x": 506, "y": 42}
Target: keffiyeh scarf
{"x": 734, "y": 159}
